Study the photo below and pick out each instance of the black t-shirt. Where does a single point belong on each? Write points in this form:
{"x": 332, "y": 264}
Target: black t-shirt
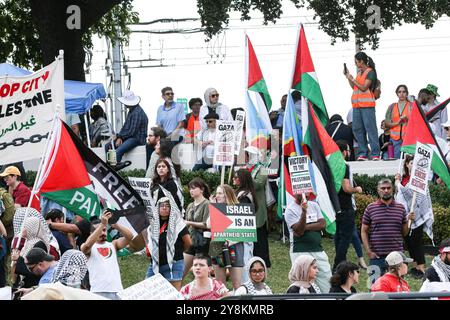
{"x": 432, "y": 275}
{"x": 29, "y": 279}
{"x": 179, "y": 247}
{"x": 85, "y": 228}
{"x": 339, "y": 289}
{"x": 345, "y": 199}
{"x": 170, "y": 186}
{"x": 383, "y": 138}
{"x": 296, "y": 289}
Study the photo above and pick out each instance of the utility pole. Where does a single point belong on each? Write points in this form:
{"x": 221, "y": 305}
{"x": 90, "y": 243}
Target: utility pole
{"x": 117, "y": 84}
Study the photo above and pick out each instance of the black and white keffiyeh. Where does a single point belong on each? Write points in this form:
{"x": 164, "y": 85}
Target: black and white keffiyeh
{"x": 71, "y": 268}
{"x": 175, "y": 225}
{"x": 252, "y": 287}
{"x": 442, "y": 269}
{"x": 34, "y": 233}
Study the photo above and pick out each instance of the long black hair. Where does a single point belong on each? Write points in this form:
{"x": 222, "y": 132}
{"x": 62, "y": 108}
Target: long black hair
{"x": 343, "y": 270}
{"x": 247, "y": 185}
{"x": 200, "y": 183}
{"x": 362, "y": 56}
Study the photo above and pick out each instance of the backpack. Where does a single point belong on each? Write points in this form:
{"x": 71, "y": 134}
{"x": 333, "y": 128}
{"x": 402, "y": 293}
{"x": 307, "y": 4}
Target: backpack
{"x": 377, "y": 90}
{"x": 8, "y": 203}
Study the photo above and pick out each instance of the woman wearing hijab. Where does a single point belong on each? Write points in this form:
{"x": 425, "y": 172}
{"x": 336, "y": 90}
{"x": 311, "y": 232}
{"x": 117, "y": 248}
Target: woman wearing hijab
{"x": 168, "y": 237}
{"x": 203, "y": 287}
{"x": 302, "y": 275}
{"x": 72, "y": 269}
{"x": 225, "y": 194}
{"x": 257, "y": 272}
{"x": 213, "y": 105}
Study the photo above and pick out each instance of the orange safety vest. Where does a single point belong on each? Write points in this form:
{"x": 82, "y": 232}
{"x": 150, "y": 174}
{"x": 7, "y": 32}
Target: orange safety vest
{"x": 193, "y": 127}
{"x": 362, "y": 99}
{"x": 398, "y": 131}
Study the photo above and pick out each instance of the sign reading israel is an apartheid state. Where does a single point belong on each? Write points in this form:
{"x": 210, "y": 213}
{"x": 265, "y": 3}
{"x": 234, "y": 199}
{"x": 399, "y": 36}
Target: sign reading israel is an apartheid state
{"x": 421, "y": 169}
{"x": 224, "y": 143}
{"x": 233, "y": 222}
{"x": 300, "y": 176}
{"x": 27, "y": 107}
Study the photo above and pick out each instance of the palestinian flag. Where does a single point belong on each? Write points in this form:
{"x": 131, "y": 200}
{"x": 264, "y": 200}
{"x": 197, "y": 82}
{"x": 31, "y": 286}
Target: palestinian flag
{"x": 327, "y": 162}
{"x": 76, "y": 178}
{"x": 419, "y": 131}
{"x": 305, "y": 79}
{"x": 255, "y": 79}
{"x": 430, "y": 114}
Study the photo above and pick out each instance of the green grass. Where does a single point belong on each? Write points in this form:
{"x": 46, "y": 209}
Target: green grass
{"x": 134, "y": 267}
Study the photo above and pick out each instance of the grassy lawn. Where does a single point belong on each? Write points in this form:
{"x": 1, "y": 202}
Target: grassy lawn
{"x": 134, "y": 267}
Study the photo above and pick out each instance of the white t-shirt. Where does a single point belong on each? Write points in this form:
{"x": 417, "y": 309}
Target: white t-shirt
{"x": 104, "y": 272}
{"x": 207, "y": 135}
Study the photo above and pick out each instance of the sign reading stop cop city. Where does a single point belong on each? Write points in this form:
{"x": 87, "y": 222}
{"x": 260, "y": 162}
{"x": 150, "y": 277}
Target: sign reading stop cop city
{"x": 224, "y": 143}
{"x": 233, "y": 222}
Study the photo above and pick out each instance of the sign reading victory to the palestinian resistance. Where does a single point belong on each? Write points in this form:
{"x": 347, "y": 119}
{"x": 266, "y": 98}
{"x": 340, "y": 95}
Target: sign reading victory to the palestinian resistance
{"x": 153, "y": 288}
{"x": 421, "y": 169}
{"x": 224, "y": 143}
{"x": 233, "y": 222}
{"x": 27, "y": 106}
{"x": 300, "y": 176}
{"x": 240, "y": 118}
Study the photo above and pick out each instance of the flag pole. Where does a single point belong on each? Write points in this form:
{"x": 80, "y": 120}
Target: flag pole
{"x": 222, "y": 176}
{"x": 411, "y": 210}
{"x": 400, "y": 167}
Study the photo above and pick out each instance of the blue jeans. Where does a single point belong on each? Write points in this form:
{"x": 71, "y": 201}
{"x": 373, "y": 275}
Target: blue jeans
{"x": 345, "y": 224}
{"x": 365, "y": 125}
{"x": 164, "y": 270}
{"x": 377, "y": 268}
{"x": 356, "y": 242}
{"x": 126, "y": 146}
{"x": 397, "y": 145}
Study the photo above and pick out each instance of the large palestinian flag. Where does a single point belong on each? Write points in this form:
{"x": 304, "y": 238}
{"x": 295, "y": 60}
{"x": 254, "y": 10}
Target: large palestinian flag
{"x": 419, "y": 131}
{"x": 305, "y": 79}
{"x": 328, "y": 164}
{"x": 76, "y": 178}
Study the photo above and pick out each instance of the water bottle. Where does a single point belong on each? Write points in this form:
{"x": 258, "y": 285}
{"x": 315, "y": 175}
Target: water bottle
{"x": 111, "y": 157}
{"x": 226, "y": 257}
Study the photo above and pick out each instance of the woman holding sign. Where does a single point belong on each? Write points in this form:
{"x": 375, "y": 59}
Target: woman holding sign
{"x": 226, "y": 254}
{"x": 422, "y": 217}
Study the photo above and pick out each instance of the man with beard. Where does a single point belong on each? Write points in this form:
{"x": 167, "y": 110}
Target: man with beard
{"x": 440, "y": 267}
{"x": 104, "y": 272}
{"x": 384, "y": 224}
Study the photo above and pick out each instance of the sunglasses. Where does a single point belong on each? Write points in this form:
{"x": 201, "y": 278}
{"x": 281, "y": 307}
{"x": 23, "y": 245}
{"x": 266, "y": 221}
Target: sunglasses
{"x": 32, "y": 268}
{"x": 214, "y": 95}
{"x": 210, "y": 121}
{"x": 447, "y": 128}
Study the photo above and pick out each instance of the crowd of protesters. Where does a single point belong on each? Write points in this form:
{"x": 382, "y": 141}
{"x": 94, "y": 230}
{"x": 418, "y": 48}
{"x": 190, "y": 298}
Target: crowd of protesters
{"x": 54, "y": 246}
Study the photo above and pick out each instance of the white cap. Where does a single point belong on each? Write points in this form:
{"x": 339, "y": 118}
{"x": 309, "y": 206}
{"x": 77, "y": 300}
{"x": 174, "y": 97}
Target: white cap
{"x": 396, "y": 257}
{"x": 128, "y": 98}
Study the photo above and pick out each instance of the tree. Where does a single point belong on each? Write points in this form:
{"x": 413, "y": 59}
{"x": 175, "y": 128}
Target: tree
{"x": 33, "y": 31}
{"x": 337, "y": 17}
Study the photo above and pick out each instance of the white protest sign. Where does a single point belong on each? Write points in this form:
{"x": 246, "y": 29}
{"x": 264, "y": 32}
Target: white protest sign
{"x": 5, "y": 293}
{"x": 153, "y": 288}
{"x": 240, "y": 117}
{"x": 224, "y": 143}
{"x": 142, "y": 186}
{"x": 27, "y": 107}
{"x": 300, "y": 176}
{"x": 421, "y": 169}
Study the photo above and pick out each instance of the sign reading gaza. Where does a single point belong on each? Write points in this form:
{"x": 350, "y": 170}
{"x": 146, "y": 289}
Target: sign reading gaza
{"x": 420, "y": 171}
{"x": 233, "y": 222}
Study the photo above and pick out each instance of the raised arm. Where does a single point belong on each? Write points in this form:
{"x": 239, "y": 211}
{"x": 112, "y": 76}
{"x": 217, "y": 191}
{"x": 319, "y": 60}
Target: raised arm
{"x": 87, "y": 246}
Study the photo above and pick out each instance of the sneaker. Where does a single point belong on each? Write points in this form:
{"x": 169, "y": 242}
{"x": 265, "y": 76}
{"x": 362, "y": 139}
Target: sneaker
{"x": 376, "y": 158}
{"x": 362, "y": 158}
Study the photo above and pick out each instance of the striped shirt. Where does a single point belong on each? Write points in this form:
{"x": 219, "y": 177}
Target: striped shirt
{"x": 385, "y": 223}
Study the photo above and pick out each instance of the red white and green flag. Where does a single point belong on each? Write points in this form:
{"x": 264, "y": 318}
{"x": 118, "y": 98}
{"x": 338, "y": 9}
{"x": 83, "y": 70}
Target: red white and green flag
{"x": 419, "y": 131}
{"x": 77, "y": 179}
{"x": 305, "y": 79}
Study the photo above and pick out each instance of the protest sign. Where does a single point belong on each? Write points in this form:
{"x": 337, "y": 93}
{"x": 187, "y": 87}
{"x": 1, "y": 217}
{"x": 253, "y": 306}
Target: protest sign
{"x": 27, "y": 107}
{"x": 421, "y": 169}
{"x": 233, "y": 222}
{"x": 224, "y": 143}
{"x": 142, "y": 186}
{"x": 300, "y": 176}
{"x": 153, "y": 288}
{"x": 240, "y": 116}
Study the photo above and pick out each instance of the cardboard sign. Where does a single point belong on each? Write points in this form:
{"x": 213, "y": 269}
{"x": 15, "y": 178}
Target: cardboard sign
{"x": 240, "y": 118}
{"x": 421, "y": 169}
{"x": 224, "y": 143}
{"x": 300, "y": 176}
{"x": 233, "y": 222}
{"x": 142, "y": 186}
{"x": 153, "y": 288}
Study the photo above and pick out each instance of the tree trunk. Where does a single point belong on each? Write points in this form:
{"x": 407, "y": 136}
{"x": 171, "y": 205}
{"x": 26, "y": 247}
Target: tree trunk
{"x": 50, "y": 19}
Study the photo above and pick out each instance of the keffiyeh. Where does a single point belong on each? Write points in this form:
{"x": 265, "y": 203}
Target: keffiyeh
{"x": 252, "y": 287}
{"x": 71, "y": 268}
{"x": 442, "y": 269}
{"x": 34, "y": 234}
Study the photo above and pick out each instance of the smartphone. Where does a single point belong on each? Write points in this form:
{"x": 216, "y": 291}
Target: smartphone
{"x": 345, "y": 68}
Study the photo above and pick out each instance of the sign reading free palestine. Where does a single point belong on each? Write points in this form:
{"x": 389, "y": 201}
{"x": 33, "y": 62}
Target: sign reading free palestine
{"x": 233, "y": 222}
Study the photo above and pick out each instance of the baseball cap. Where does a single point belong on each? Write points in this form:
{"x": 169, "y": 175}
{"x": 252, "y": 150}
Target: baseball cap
{"x": 433, "y": 89}
{"x": 395, "y": 258}
{"x": 211, "y": 115}
{"x": 37, "y": 255}
{"x": 10, "y": 170}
